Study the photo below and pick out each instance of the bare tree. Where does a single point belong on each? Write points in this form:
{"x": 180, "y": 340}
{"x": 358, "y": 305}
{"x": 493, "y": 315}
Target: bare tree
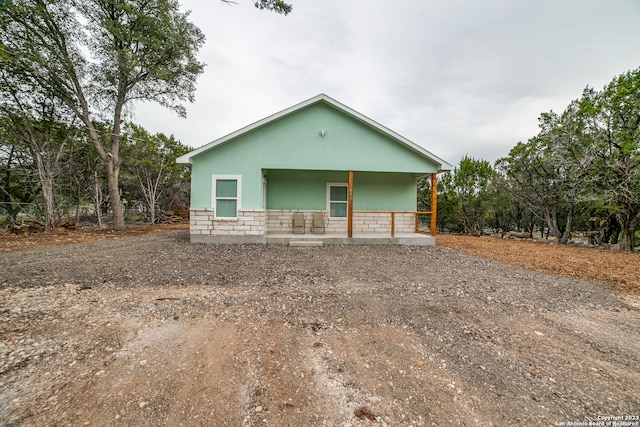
{"x": 151, "y": 161}
{"x": 39, "y": 122}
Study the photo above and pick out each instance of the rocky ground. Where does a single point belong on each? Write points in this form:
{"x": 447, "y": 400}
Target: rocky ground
{"x": 151, "y": 330}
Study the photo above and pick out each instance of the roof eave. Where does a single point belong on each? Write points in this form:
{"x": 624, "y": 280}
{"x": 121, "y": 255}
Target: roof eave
{"x": 443, "y": 166}
{"x": 187, "y": 157}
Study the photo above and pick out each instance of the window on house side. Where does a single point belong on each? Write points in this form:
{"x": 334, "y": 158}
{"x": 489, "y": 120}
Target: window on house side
{"x": 337, "y": 199}
{"x": 226, "y": 195}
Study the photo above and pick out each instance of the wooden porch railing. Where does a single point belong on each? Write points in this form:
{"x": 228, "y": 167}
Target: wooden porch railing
{"x": 432, "y": 227}
{"x": 432, "y": 211}
{"x": 417, "y": 219}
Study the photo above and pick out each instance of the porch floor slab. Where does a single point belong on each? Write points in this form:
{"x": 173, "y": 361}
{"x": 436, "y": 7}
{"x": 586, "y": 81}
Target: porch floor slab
{"x": 412, "y": 239}
{"x": 305, "y": 242}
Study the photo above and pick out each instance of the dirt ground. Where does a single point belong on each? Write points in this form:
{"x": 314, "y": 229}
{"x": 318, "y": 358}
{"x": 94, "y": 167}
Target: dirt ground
{"x": 143, "y": 328}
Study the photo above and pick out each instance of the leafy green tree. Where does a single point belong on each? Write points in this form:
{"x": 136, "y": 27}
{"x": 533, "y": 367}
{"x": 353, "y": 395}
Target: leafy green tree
{"x": 47, "y": 141}
{"x": 614, "y": 156}
{"x": 472, "y": 180}
{"x": 504, "y": 213}
{"x": 546, "y": 174}
{"x": 97, "y": 56}
{"x": 584, "y": 164}
{"x": 563, "y": 143}
{"x": 447, "y": 203}
{"x": 464, "y": 196}
{"x": 274, "y": 5}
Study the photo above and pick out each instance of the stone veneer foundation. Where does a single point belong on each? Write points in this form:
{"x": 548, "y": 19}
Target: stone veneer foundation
{"x": 249, "y": 227}
{"x": 281, "y": 221}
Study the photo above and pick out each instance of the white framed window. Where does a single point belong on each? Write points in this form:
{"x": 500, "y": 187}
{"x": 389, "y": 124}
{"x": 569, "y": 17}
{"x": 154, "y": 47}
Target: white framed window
{"x": 226, "y": 196}
{"x": 337, "y": 199}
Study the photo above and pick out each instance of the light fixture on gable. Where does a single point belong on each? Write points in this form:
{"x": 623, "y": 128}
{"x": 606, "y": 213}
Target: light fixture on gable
{"x": 322, "y": 132}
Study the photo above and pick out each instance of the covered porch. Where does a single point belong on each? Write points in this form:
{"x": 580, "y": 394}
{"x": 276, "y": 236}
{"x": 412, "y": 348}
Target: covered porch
{"x": 384, "y": 203}
{"x": 313, "y": 208}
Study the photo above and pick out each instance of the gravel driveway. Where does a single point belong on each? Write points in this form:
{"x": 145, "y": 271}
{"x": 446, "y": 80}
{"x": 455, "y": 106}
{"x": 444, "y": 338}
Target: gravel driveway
{"x": 153, "y": 330}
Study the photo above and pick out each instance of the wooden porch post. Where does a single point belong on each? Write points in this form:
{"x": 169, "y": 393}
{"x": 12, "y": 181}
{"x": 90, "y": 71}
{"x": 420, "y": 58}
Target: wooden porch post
{"x": 434, "y": 202}
{"x": 350, "y": 206}
{"x": 393, "y": 224}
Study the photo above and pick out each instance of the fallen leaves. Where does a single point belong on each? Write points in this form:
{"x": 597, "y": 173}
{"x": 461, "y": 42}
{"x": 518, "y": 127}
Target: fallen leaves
{"x": 10, "y": 242}
{"x": 609, "y": 267}
{"x": 364, "y": 413}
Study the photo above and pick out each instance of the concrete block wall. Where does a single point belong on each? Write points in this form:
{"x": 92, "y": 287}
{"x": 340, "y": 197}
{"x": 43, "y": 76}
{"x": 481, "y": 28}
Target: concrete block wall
{"x": 281, "y": 221}
{"x": 405, "y": 223}
{"x": 337, "y": 225}
{"x": 250, "y": 222}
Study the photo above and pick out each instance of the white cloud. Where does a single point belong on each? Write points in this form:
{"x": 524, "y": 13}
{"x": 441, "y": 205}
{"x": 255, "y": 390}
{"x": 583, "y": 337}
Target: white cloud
{"x": 457, "y": 77}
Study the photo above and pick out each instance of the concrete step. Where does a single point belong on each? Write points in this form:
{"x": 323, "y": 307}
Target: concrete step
{"x": 305, "y": 243}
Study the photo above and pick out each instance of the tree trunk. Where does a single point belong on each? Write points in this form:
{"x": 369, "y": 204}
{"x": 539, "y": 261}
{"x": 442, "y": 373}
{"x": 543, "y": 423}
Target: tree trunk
{"x": 615, "y": 236}
{"x": 152, "y": 213}
{"x": 77, "y": 220}
{"x": 112, "y": 167}
{"x": 12, "y": 207}
{"x": 113, "y": 171}
{"x": 626, "y": 240}
{"x": 49, "y": 212}
{"x": 626, "y": 233}
{"x": 610, "y": 230}
{"x": 550, "y": 219}
{"x": 567, "y": 230}
{"x": 113, "y": 162}
{"x": 97, "y": 198}
{"x": 150, "y": 192}
{"x": 46, "y": 183}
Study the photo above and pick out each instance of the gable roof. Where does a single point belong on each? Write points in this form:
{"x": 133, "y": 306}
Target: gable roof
{"x": 444, "y": 166}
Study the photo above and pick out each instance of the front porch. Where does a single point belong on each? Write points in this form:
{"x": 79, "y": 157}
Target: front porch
{"x": 308, "y": 208}
{"x": 276, "y": 227}
{"x": 409, "y": 239}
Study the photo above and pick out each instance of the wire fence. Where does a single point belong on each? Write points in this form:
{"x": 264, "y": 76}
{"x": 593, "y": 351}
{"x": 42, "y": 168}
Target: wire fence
{"x": 17, "y": 213}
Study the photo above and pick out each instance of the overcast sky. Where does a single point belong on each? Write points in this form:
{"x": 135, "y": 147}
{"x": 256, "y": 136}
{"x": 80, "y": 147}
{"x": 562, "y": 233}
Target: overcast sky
{"x": 454, "y": 76}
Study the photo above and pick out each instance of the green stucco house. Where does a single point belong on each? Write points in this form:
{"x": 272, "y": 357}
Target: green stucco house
{"x": 316, "y": 157}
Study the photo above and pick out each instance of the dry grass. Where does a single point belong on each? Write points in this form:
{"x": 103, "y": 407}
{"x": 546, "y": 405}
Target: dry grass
{"x": 10, "y": 242}
{"x": 614, "y": 268}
